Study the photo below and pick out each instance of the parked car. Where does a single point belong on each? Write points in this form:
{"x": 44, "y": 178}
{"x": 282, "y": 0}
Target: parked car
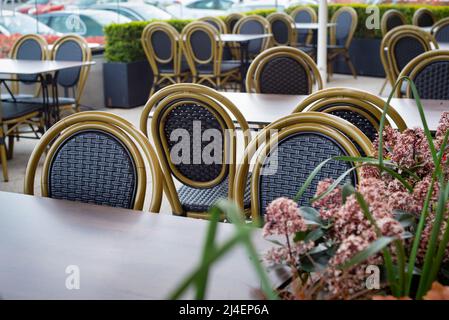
{"x": 87, "y": 22}
{"x": 193, "y": 9}
{"x": 250, "y": 5}
{"x": 135, "y": 11}
{"x": 40, "y": 6}
{"x": 15, "y": 22}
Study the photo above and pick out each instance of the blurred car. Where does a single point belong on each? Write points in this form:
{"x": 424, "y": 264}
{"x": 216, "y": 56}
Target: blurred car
{"x": 40, "y": 6}
{"x": 135, "y": 11}
{"x": 250, "y": 5}
{"x": 84, "y": 4}
{"x": 15, "y": 22}
{"x": 191, "y": 9}
{"x": 86, "y": 22}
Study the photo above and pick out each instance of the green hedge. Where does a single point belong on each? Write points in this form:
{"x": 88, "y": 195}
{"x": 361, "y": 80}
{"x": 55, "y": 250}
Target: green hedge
{"x": 123, "y": 40}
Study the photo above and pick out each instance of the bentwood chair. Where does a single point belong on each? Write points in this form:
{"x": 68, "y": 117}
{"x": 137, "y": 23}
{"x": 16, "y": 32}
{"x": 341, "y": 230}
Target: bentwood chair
{"x": 216, "y": 22}
{"x": 254, "y": 24}
{"x": 283, "y": 29}
{"x": 231, "y": 20}
{"x": 283, "y": 70}
{"x": 400, "y": 46}
{"x": 341, "y": 37}
{"x": 96, "y": 157}
{"x": 204, "y": 52}
{"x": 361, "y": 108}
{"x": 195, "y": 139}
{"x": 430, "y": 73}
{"x": 27, "y": 47}
{"x": 161, "y": 43}
{"x": 304, "y": 15}
{"x": 391, "y": 19}
{"x": 288, "y": 150}
{"x": 440, "y": 30}
{"x": 423, "y": 17}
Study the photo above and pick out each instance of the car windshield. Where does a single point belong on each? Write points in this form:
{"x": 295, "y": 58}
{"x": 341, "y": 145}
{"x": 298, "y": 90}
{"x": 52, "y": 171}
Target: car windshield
{"x": 23, "y": 24}
{"x": 150, "y": 12}
{"x": 37, "y": 2}
{"x": 107, "y": 17}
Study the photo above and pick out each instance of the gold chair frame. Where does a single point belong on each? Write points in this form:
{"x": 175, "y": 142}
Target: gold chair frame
{"x": 266, "y": 42}
{"x": 216, "y": 78}
{"x": 314, "y": 16}
{"x": 420, "y": 12}
{"x": 438, "y": 25}
{"x": 256, "y": 67}
{"x": 236, "y": 16}
{"x": 413, "y": 68}
{"x": 176, "y": 54}
{"x": 367, "y": 102}
{"x": 289, "y": 22}
{"x": 340, "y": 130}
{"x": 137, "y": 144}
{"x": 222, "y": 27}
{"x": 215, "y": 103}
{"x": 386, "y": 16}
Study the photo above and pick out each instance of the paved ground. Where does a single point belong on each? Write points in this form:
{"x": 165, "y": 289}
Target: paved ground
{"x": 24, "y": 147}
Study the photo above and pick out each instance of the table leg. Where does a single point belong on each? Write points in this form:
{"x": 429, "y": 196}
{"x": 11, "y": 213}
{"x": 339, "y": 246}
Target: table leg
{"x": 56, "y": 96}
{"x": 45, "y": 101}
{"x": 244, "y": 63}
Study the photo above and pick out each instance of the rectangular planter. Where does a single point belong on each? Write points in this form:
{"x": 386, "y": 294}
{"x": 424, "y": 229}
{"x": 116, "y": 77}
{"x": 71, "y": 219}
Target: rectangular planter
{"x": 126, "y": 85}
{"x": 365, "y": 55}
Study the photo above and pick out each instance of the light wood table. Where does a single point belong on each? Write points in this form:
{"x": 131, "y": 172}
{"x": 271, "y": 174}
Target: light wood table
{"x": 311, "y": 26}
{"x": 121, "y": 254}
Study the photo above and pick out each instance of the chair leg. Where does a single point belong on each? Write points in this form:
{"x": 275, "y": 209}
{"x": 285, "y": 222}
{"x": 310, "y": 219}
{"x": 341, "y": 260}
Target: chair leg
{"x": 383, "y": 86}
{"x": 350, "y": 65}
{"x": 3, "y": 155}
{"x": 10, "y": 143}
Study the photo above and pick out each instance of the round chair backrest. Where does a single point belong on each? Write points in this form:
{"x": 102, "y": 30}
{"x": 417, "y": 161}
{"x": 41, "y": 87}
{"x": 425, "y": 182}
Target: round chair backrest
{"x": 440, "y": 30}
{"x": 232, "y": 19}
{"x": 254, "y": 25}
{"x": 423, "y": 17}
{"x": 29, "y": 47}
{"x": 160, "y": 42}
{"x": 346, "y": 20}
{"x": 200, "y": 42}
{"x": 282, "y": 27}
{"x": 283, "y": 70}
{"x": 391, "y": 19}
{"x": 71, "y": 48}
{"x": 303, "y": 15}
{"x": 217, "y": 23}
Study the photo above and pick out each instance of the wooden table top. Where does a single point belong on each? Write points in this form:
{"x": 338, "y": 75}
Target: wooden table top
{"x": 312, "y": 25}
{"x": 121, "y": 254}
{"x": 16, "y": 66}
{"x": 265, "y": 108}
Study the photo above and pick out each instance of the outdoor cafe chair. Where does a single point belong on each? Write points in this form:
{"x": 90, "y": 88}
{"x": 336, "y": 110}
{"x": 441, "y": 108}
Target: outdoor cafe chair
{"x": 254, "y": 24}
{"x": 361, "y": 108}
{"x": 186, "y": 120}
{"x": 440, "y": 30}
{"x": 283, "y": 70}
{"x": 283, "y": 29}
{"x": 215, "y": 22}
{"x": 400, "y": 46}
{"x": 304, "y": 14}
{"x": 96, "y": 157}
{"x": 341, "y": 36}
{"x": 161, "y": 43}
{"x": 204, "y": 52}
{"x": 231, "y": 19}
{"x": 423, "y": 17}
{"x": 391, "y": 19}
{"x": 288, "y": 150}
{"x": 430, "y": 73}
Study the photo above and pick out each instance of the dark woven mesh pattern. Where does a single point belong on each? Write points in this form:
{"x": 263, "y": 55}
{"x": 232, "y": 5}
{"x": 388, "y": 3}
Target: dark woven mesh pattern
{"x": 280, "y": 31}
{"x": 425, "y": 20}
{"x": 200, "y": 200}
{"x": 393, "y": 22}
{"x": 162, "y": 44}
{"x": 93, "y": 167}
{"x": 69, "y": 51}
{"x": 442, "y": 34}
{"x": 283, "y": 75}
{"x": 359, "y": 121}
{"x": 29, "y": 49}
{"x": 406, "y": 49}
{"x": 432, "y": 81}
{"x": 183, "y": 117}
{"x": 295, "y": 158}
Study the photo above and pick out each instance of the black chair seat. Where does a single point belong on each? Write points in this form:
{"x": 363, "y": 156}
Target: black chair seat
{"x": 7, "y": 96}
{"x": 201, "y": 200}
{"x": 307, "y": 49}
{"x": 226, "y": 66}
{"x": 38, "y": 100}
{"x": 14, "y": 110}
{"x": 168, "y": 68}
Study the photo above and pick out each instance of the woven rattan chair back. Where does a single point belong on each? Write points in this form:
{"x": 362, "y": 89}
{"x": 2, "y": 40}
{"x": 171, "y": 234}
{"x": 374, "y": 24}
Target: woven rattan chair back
{"x": 28, "y": 47}
{"x": 440, "y": 30}
{"x": 217, "y": 23}
{"x": 194, "y": 136}
{"x": 254, "y": 24}
{"x": 283, "y": 28}
{"x": 72, "y": 48}
{"x": 391, "y": 19}
{"x": 288, "y": 150}
{"x": 423, "y": 17}
{"x": 346, "y": 23}
{"x": 283, "y": 70}
{"x": 231, "y": 20}
{"x": 99, "y": 158}
{"x": 362, "y": 109}
{"x": 430, "y": 73}
{"x": 303, "y": 14}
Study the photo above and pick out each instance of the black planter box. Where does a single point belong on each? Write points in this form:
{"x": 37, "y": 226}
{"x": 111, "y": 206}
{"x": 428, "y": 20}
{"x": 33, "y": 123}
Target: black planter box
{"x": 365, "y": 55}
{"x": 126, "y": 85}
